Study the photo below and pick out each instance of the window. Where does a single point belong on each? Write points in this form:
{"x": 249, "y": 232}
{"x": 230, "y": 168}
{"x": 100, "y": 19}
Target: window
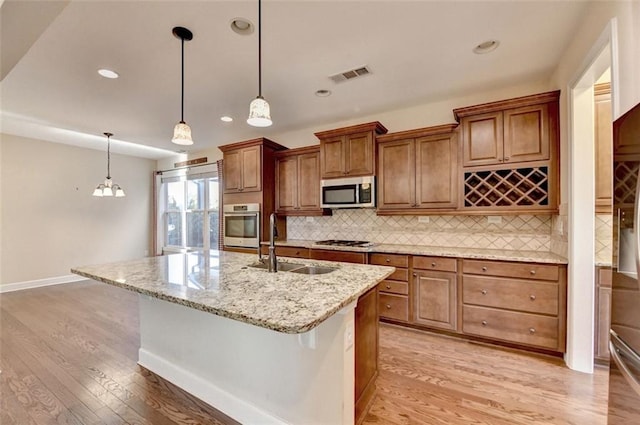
{"x": 188, "y": 212}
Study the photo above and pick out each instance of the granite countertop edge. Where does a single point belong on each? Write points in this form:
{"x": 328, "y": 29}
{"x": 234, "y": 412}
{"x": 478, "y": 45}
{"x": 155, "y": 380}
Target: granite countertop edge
{"x": 469, "y": 253}
{"x": 245, "y": 318}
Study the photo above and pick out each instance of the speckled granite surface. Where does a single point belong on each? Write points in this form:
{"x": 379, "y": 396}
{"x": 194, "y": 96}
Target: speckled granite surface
{"x": 487, "y": 254}
{"x": 222, "y": 284}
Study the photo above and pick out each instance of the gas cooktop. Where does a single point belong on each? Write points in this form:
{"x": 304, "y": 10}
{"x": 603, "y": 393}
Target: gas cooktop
{"x": 338, "y": 242}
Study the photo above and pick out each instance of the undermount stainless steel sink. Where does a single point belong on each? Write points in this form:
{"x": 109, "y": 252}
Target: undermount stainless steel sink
{"x": 314, "y": 270}
{"x": 283, "y": 267}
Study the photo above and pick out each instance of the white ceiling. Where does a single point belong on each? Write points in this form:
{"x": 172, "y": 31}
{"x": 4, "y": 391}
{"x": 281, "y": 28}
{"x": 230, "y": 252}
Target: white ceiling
{"x": 418, "y": 52}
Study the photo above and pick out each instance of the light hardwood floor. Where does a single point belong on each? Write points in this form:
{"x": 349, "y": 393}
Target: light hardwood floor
{"x": 68, "y": 355}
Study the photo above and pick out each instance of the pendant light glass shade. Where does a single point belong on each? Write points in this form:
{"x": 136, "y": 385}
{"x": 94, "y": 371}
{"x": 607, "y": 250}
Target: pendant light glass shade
{"x": 108, "y": 187}
{"x": 259, "y": 113}
{"x": 182, "y": 134}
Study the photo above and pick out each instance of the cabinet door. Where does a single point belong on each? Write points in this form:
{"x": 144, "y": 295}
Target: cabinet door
{"x": 604, "y": 151}
{"x": 232, "y": 172}
{"x": 309, "y": 181}
{"x": 251, "y": 169}
{"x": 359, "y": 154}
{"x": 482, "y": 137}
{"x": 603, "y": 313}
{"x": 526, "y": 134}
{"x": 435, "y": 299}
{"x": 332, "y": 157}
{"x": 286, "y": 183}
{"x": 396, "y": 175}
{"x": 366, "y": 350}
{"x": 436, "y": 171}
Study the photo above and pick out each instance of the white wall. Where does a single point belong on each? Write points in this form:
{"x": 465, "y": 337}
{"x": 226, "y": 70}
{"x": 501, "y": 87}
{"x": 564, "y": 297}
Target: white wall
{"x": 49, "y": 220}
{"x": 577, "y": 158}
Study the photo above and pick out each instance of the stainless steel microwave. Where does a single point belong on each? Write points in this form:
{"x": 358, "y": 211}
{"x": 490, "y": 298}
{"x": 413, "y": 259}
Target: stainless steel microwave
{"x": 351, "y": 192}
{"x": 241, "y": 225}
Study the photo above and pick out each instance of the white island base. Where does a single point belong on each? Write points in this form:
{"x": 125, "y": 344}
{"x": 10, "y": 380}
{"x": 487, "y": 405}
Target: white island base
{"x": 252, "y": 374}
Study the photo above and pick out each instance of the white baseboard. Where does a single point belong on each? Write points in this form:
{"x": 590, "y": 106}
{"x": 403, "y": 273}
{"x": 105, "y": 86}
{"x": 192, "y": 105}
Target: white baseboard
{"x": 206, "y": 391}
{"x": 30, "y": 284}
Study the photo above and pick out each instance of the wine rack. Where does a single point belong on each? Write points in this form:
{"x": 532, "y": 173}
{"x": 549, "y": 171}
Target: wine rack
{"x": 625, "y": 178}
{"x": 517, "y": 187}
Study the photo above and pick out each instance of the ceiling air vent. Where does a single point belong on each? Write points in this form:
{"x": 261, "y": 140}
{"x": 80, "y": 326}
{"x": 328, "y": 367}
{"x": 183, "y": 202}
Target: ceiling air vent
{"x": 350, "y": 74}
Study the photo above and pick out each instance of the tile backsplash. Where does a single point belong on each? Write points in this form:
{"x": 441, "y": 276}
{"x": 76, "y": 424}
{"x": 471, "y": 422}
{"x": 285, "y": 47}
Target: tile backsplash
{"x": 604, "y": 238}
{"x": 513, "y": 232}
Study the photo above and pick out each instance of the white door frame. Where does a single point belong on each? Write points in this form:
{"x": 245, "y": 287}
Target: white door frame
{"x": 581, "y": 213}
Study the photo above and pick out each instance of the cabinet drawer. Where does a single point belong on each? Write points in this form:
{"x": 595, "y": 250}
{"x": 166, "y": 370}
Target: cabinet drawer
{"x": 435, "y": 263}
{"x": 521, "y": 328}
{"x": 292, "y": 251}
{"x": 394, "y": 306}
{"x": 516, "y": 270}
{"x": 400, "y": 274}
{"x": 532, "y": 296}
{"x": 335, "y": 255}
{"x": 395, "y": 260}
{"x": 393, "y": 286}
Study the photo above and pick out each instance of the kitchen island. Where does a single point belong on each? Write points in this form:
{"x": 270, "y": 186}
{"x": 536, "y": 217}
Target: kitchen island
{"x": 274, "y": 348}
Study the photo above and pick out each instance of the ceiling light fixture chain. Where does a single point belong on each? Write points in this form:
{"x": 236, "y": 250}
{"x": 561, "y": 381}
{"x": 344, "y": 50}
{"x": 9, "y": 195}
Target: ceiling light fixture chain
{"x": 109, "y": 188}
{"x": 259, "y": 110}
{"x": 182, "y": 132}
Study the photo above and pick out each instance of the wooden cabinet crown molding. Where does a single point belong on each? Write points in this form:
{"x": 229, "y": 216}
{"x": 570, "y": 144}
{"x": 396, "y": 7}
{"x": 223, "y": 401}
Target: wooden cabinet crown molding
{"x": 253, "y": 142}
{"x": 416, "y": 133}
{"x": 298, "y": 151}
{"x": 374, "y": 126}
{"x": 501, "y": 105}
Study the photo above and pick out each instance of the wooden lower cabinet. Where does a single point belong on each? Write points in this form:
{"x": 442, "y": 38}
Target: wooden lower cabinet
{"x": 393, "y": 295}
{"x": 602, "y": 314}
{"x": 287, "y": 251}
{"x": 519, "y": 303}
{"x": 435, "y": 299}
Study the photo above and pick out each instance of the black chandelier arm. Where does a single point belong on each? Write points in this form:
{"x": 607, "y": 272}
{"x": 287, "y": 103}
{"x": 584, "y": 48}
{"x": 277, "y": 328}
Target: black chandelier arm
{"x": 108, "y": 157}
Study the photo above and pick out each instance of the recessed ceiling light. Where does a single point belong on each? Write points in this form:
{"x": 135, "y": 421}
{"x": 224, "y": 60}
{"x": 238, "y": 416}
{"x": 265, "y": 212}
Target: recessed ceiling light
{"x": 486, "y": 47}
{"x": 226, "y": 118}
{"x": 107, "y": 73}
{"x": 323, "y": 93}
{"x": 241, "y": 26}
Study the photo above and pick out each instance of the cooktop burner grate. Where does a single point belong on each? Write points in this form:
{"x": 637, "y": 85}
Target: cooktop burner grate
{"x": 338, "y": 242}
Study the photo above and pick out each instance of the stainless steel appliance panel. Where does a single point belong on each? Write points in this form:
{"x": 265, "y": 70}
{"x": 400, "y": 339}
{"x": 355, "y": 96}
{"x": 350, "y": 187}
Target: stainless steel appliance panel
{"x": 624, "y": 372}
{"x": 241, "y": 225}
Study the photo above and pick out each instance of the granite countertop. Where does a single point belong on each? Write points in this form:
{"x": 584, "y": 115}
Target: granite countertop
{"x": 220, "y": 282}
{"x": 438, "y": 251}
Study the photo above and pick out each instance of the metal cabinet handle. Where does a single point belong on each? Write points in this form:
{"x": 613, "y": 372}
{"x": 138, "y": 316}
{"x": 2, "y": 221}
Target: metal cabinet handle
{"x": 532, "y": 297}
{"x": 484, "y": 292}
{"x": 388, "y": 306}
{"x": 484, "y": 323}
{"x": 433, "y": 264}
{"x": 388, "y": 286}
{"x": 388, "y": 260}
{"x": 415, "y": 275}
{"x": 506, "y": 158}
{"x": 484, "y": 269}
{"x": 532, "y": 330}
{"x": 532, "y": 272}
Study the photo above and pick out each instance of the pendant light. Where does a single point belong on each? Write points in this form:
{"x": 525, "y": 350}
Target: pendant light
{"x": 108, "y": 187}
{"x": 259, "y": 111}
{"x": 182, "y": 132}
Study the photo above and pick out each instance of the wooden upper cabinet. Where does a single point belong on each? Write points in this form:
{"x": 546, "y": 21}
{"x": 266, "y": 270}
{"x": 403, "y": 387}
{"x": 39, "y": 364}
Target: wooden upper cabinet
{"x": 626, "y": 133}
{"x": 349, "y": 151}
{"x": 510, "y": 131}
{"x": 603, "y": 132}
{"x": 483, "y": 139}
{"x": 298, "y": 182}
{"x": 436, "y": 171}
{"x": 243, "y": 170}
{"x": 396, "y": 174}
{"x": 418, "y": 170}
{"x": 246, "y": 163}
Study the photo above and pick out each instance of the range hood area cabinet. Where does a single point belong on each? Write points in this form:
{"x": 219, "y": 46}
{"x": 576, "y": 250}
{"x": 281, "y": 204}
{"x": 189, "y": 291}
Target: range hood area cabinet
{"x": 247, "y": 174}
{"x": 510, "y": 155}
{"x": 349, "y": 151}
{"x": 298, "y": 182}
{"x": 418, "y": 171}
